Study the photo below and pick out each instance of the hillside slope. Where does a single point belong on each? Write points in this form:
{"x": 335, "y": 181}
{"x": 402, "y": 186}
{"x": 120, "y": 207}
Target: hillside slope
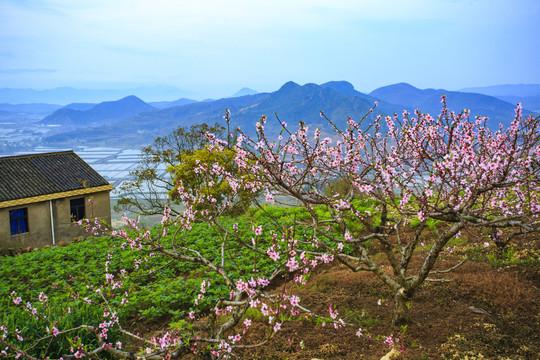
{"x": 80, "y": 115}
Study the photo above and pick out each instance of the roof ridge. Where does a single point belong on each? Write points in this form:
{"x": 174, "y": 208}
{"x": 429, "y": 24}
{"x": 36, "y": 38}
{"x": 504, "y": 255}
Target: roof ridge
{"x": 37, "y": 154}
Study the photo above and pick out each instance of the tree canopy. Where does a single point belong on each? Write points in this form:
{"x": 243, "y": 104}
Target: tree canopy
{"x": 146, "y": 193}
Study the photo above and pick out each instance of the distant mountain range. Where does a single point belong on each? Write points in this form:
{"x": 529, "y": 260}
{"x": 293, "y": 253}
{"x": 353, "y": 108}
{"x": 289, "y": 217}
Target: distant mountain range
{"x": 155, "y": 104}
{"x": 170, "y": 104}
{"x": 140, "y": 123}
{"x": 80, "y": 106}
{"x": 132, "y": 122}
{"x": 529, "y": 102}
{"x": 526, "y": 94}
{"x": 429, "y": 101}
{"x": 519, "y": 90}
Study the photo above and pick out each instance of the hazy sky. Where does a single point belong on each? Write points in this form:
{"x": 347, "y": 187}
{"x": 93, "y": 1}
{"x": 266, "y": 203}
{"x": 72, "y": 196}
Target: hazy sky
{"x": 213, "y": 47}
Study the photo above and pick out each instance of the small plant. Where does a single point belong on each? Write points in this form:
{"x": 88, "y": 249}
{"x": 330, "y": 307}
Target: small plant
{"x": 512, "y": 256}
{"x": 360, "y": 317}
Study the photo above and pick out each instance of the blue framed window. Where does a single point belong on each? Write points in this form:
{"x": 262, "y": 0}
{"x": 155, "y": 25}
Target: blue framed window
{"x": 18, "y": 220}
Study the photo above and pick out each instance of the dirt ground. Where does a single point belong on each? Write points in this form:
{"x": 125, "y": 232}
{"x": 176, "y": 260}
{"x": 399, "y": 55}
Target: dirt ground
{"x": 484, "y": 312}
{"x": 443, "y": 324}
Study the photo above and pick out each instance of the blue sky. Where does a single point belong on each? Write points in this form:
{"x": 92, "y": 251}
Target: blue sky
{"x": 212, "y": 48}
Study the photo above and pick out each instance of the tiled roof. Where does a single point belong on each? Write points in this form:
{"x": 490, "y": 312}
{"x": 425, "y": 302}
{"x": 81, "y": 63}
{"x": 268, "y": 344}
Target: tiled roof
{"x": 40, "y": 174}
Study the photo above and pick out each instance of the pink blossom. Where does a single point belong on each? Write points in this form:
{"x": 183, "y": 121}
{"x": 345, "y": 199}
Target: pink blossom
{"x": 273, "y": 255}
{"x": 258, "y": 230}
{"x": 333, "y": 313}
{"x": 292, "y": 264}
{"x": 269, "y": 197}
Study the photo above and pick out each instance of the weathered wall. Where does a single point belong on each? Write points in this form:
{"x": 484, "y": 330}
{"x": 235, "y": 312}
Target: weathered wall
{"x": 65, "y": 230}
{"x": 39, "y": 226}
{"x": 39, "y": 222}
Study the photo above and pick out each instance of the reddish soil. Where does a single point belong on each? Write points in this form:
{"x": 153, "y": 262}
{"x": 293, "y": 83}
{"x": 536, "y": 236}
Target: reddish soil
{"x": 443, "y": 326}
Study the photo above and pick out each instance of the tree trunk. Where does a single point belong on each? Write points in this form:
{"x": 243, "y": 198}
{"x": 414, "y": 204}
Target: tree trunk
{"x": 401, "y": 310}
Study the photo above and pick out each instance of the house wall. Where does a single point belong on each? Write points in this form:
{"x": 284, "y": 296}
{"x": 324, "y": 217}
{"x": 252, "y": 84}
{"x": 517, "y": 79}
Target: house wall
{"x": 65, "y": 230}
{"x": 39, "y": 226}
{"x": 39, "y": 221}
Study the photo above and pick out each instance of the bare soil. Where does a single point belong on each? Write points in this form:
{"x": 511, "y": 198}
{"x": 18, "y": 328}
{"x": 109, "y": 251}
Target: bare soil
{"x": 484, "y": 312}
{"x": 442, "y": 323}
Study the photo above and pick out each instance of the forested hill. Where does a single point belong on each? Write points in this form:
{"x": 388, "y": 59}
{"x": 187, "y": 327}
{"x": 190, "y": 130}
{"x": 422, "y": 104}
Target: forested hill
{"x": 101, "y": 114}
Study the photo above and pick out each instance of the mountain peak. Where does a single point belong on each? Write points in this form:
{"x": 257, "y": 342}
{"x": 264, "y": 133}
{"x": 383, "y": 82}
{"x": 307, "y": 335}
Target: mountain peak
{"x": 289, "y": 85}
{"x": 244, "y": 91}
{"x": 97, "y": 114}
{"x": 130, "y": 104}
{"x": 402, "y": 86}
{"x": 342, "y": 87}
{"x": 131, "y": 98}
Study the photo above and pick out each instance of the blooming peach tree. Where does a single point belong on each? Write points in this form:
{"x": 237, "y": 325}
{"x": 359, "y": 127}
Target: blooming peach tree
{"x": 418, "y": 169}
